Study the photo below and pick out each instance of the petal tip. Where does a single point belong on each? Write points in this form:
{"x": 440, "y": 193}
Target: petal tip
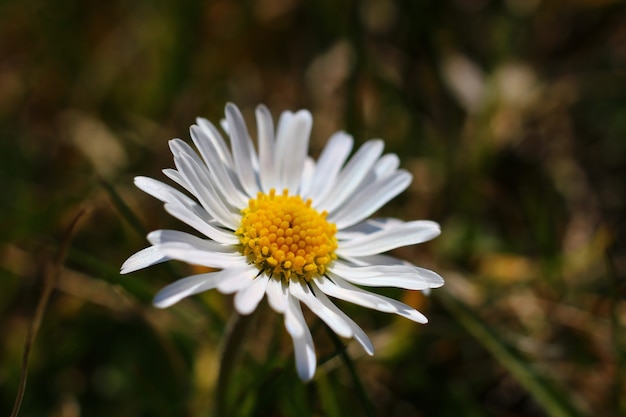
{"x": 162, "y": 303}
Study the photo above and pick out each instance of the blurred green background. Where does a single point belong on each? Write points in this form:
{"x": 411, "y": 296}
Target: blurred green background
{"x": 510, "y": 114}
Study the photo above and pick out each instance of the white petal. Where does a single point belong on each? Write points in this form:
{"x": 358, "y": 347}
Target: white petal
{"x": 161, "y": 191}
{"x": 308, "y": 171}
{"x": 351, "y": 176}
{"x": 191, "y": 249}
{"x": 367, "y": 227}
{"x": 143, "y": 259}
{"x": 245, "y": 276}
{"x": 213, "y": 135}
{"x": 328, "y": 166}
{"x": 183, "y": 253}
{"x": 277, "y": 295}
{"x": 343, "y": 290}
{"x": 191, "y": 285}
{"x": 177, "y": 178}
{"x": 223, "y": 181}
{"x": 181, "y": 148}
{"x": 225, "y": 127}
{"x": 265, "y": 137}
{"x": 185, "y": 209}
{"x": 161, "y": 237}
{"x": 248, "y": 298}
{"x": 387, "y": 164}
{"x": 409, "y": 233}
{"x": 302, "y": 341}
{"x": 284, "y": 119}
{"x": 242, "y": 149}
{"x": 378, "y": 259}
{"x": 401, "y": 276}
{"x": 275, "y": 171}
{"x": 369, "y": 199}
{"x": 358, "y": 333}
{"x": 194, "y": 220}
{"x": 330, "y": 317}
{"x": 294, "y": 326}
{"x": 306, "y": 361}
{"x": 291, "y": 149}
{"x": 202, "y": 187}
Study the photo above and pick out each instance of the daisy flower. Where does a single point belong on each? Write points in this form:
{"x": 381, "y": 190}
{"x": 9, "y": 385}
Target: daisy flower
{"x": 275, "y": 223}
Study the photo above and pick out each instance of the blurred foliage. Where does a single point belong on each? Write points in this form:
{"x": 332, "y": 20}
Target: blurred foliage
{"x": 510, "y": 114}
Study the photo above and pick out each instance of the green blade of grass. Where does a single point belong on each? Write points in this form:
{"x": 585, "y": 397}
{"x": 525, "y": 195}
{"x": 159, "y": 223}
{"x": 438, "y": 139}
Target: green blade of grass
{"x": 125, "y": 211}
{"x": 554, "y": 403}
{"x": 361, "y": 392}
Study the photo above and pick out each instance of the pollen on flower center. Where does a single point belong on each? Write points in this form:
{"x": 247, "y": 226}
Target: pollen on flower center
{"x": 285, "y": 237}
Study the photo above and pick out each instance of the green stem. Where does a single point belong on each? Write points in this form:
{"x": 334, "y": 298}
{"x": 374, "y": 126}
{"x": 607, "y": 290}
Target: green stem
{"x": 235, "y": 333}
{"x": 356, "y": 380}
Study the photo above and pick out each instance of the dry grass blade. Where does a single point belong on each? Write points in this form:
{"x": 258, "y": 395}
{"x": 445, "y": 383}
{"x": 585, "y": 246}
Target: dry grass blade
{"x": 50, "y": 277}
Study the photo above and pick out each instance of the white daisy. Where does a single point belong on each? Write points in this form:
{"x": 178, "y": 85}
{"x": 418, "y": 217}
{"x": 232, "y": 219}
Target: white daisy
{"x": 276, "y": 223}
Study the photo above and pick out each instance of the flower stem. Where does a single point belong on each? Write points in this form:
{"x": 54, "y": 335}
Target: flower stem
{"x": 235, "y": 332}
{"x": 356, "y": 380}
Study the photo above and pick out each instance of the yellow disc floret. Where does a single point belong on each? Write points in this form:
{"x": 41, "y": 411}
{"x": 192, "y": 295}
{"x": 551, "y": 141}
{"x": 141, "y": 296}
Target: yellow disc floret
{"x": 285, "y": 237}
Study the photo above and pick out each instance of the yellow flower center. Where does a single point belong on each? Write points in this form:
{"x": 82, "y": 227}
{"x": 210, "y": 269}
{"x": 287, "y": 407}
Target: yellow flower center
{"x": 285, "y": 237}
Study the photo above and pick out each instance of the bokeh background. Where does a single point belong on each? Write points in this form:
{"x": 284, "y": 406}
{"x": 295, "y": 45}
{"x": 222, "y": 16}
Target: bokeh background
{"x": 510, "y": 114}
